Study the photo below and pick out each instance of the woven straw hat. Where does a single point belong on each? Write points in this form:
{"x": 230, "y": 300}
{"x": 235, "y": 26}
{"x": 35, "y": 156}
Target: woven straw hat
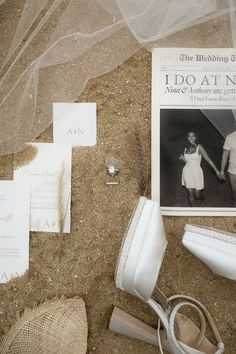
{"x": 58, "y": 327}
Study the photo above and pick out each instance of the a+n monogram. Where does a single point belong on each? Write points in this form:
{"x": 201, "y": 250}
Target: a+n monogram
{"x": 76, "y": 131}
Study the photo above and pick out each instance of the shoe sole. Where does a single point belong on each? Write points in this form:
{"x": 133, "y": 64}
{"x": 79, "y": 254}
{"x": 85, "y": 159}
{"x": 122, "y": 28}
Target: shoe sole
{"x": 127, "y": 243}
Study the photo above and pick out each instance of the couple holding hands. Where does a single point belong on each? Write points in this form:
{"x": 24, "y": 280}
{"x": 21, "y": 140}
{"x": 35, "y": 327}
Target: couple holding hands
{"x": 192, "y": 175}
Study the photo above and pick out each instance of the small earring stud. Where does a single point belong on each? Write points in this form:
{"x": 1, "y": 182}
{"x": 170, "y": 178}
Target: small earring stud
{"x": 112, "y": 165}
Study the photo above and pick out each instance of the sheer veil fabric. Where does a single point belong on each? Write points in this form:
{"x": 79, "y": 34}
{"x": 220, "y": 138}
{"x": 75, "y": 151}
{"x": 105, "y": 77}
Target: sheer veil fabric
{"x": 71, "y": 41}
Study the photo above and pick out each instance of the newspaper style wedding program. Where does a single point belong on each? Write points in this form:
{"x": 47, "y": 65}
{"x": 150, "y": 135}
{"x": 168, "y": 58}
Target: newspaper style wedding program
{"x": 194, "y": 131}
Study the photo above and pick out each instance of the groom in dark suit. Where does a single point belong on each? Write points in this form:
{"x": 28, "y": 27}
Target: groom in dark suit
{"x": 229, "y": 153}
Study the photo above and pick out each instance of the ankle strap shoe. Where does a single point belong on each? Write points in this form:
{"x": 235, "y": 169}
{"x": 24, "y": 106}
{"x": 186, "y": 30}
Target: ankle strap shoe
{"x": 137, "y": 271}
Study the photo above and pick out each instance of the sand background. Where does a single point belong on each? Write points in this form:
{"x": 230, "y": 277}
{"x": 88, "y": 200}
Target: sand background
{"x": 100, "y": 214}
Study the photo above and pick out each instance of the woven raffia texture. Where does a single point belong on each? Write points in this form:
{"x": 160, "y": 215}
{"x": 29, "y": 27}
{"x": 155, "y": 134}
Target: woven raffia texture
{"x": 54, "y": 327}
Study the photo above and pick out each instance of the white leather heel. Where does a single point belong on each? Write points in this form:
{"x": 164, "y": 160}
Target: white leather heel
{"x": 142, "y": 251}
{"x": 137, "y": 271}
{"x": 216, "y": 248}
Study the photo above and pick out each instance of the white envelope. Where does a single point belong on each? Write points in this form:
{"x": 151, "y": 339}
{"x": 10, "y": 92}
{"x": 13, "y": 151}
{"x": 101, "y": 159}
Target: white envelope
{"x": 49, "y": 175}
{"x": 74, "y": 123}
{"x": 14, "y": 229}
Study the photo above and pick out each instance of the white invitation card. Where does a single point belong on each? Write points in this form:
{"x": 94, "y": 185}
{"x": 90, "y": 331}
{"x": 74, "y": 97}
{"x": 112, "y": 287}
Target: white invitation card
{"x": 49, "y": 176}
{"x": 14, "y": 229}
{"x": 74, "y": 123}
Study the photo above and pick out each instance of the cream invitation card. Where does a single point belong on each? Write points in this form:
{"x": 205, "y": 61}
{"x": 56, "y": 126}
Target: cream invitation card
{"x": 74, "y": 123}
{"x": 49, "y": 176}
{"x": 14, "y": 229}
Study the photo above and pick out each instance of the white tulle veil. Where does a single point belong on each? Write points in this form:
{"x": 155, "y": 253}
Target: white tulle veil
{"x": 71, "y": 41}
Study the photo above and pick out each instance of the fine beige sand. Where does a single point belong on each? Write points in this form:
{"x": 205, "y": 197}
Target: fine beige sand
{"x": 100, "y": 215}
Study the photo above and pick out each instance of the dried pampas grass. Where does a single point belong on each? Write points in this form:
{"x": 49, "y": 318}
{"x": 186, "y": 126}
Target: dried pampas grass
{"x": 62, "y": 207}
{"x": 56, "y": 327}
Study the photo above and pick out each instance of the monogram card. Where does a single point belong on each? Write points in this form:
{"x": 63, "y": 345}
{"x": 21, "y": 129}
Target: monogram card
{"x": 14, "y": 229}
{"x": 74, "y": 123}
{"x": 49, "y": 176}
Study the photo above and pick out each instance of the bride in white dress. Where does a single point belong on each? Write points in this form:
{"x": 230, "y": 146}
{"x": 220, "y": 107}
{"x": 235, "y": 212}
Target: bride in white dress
{"x": 192, "y": 176}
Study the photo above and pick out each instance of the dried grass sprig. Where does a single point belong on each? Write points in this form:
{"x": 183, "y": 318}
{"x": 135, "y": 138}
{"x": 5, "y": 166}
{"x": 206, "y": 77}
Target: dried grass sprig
{"x": 61, "y": 210}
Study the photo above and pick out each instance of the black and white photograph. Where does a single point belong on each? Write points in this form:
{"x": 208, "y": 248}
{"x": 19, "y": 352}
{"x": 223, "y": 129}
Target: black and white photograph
{"x": 197, "y": 159}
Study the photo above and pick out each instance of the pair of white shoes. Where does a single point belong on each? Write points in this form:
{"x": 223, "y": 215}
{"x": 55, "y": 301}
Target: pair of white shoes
{"x": 137, "y": 271}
